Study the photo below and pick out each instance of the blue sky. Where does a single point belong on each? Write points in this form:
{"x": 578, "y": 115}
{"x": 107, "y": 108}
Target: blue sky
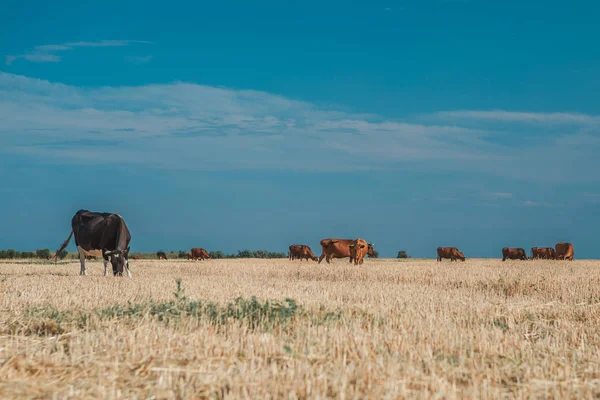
{"x": 242, "y": 125}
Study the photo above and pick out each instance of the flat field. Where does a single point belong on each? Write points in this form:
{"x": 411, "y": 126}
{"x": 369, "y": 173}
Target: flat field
{"x": 386, "y": 329}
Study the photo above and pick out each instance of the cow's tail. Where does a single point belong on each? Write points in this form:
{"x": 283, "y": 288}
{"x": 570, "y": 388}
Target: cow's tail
{"x": 64, "y": 245}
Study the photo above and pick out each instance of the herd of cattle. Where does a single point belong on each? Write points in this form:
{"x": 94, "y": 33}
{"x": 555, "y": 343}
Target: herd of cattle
{"x": 562, "y": 251}
{"x": 107, "y": 235}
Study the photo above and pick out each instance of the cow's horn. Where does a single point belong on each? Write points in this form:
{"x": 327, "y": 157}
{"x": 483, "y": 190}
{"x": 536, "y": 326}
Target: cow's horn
{"x": 108, "y": 253}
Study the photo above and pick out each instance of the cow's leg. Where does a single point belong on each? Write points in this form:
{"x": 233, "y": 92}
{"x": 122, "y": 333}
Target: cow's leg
{"x": 321, "y": 258}
{"x": 127, "y": 268}
{"x": 105, "y": 266}
{"x": 82, "y": 261}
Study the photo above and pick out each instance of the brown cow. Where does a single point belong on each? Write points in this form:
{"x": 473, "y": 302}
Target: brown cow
{"x": 335, "y": 248}
{"x": 513, "y": 253}
{"x": 450, "y": 252}
{"x": 564, "y": 251}
{"x": 301, "y": 251}
{"x": 295, "y": 249}
{"x": 358, "y": 249}
{"x": 339, "y": 248}
{"x": 90, "y": 257}
{"x": 198, "y": 253}
{"x": 136, "y": 258}
{"x": 544, "y": 253}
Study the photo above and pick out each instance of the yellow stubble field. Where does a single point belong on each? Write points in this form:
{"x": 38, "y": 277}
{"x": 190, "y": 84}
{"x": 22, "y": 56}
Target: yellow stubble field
{"x": 386, "y": 329}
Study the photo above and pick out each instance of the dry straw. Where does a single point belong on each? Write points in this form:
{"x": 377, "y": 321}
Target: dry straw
{"x": 386, "y": 329}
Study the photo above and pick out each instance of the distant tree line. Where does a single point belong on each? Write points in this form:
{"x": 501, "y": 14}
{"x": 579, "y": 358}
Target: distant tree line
{"x": 218, "y": 254}
{"x": 402, "y": 254}
{"x": 13, "y": 254}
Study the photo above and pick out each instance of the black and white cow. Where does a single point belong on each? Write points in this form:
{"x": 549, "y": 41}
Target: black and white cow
{"x": 101, "y": 234}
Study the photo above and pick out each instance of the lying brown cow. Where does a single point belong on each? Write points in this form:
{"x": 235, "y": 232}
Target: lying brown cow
{"x": 358, "y": 249}
{"x": 512, "y": 253}
{"x": 136, "y": 258}
{"x": 450, "y": 252}
{"x": 301, "y": 252}
{"x": 544, "y": 253}
{"x": 198, "y": 253}
{"x": 564, "y": 251}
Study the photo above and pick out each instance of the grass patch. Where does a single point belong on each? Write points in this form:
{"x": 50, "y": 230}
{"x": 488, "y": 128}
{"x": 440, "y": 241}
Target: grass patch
{"x": 249, "y": 311}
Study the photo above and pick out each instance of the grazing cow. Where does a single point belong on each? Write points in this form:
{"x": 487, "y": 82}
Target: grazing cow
{"x": 513, "y": 253}
{"x": 450, "y": 252}
{"x": 358, "y": 249}
{"x": 544, "y": 253}
{"x": 161, "y": 255}
{"x": 104, "y": 234}
{"x": 564, "y": 251}
{"x": 302, "y": 252}
{"x": 294, "y": 250}
{"x": 198, "y": 253}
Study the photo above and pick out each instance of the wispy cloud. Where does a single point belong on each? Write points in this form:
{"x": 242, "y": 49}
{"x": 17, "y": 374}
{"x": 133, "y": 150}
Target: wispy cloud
{"x": 46, "y": 53}
{"x": 190, "y": 126}
{"x": 527, "y": 117}
{"x": 529, "y": 203}
{"x": 501, "y": 195}
{"x": 138, "y": 60}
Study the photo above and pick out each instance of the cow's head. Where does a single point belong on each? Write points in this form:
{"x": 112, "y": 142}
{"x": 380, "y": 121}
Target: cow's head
{"x": 371, "y": 250}
{"x": 118, "y": 260}
{"x": 359, "y": 247}
{"x": 461, "y": 256}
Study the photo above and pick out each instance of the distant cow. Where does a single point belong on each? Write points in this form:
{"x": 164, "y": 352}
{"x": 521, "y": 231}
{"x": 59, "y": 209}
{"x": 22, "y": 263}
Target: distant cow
{"x": 450, "y": 252}
{"x": 161, "y": 255}
{"x": 337, "y": 248}
{"x": 302, "y": 252}
{"x": 198, "y": 253}
{"x": 512, "y": 253}
{"x": 90, "y": 257}
{"x": 358, "y": 249}
{"x": 136, "y": 258}
{"x": 544, "y": 253}
{"x": 103, "y": 233}
{"x": 564, "y": 251}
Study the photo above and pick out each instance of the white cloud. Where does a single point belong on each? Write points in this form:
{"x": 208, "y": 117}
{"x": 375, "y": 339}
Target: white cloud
{"x": 525, "y": 117}
{"x": 183, "y": 125}
{"x": 45, "y": 53}
{"x": 529, "y": 203}
{"x": 501, "y": 195}
{"x": 138, "y": 60}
